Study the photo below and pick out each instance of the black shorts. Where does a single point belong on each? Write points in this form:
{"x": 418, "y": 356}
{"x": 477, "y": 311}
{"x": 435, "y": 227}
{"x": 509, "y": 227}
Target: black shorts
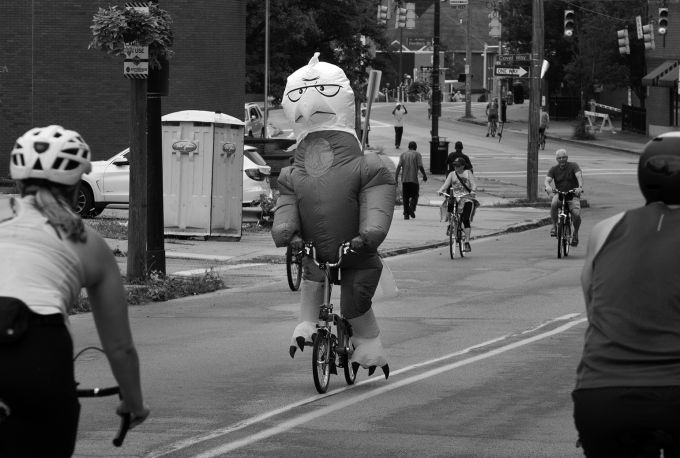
{"x": 609, "y": 421}
{"x": 38, "y": 386}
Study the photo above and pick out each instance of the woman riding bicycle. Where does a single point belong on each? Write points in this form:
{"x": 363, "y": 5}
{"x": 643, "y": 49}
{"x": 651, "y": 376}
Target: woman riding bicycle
{"x": 48, "y": 255}
{"x": 627, "y": 390}
{"x": 461, "y": 185}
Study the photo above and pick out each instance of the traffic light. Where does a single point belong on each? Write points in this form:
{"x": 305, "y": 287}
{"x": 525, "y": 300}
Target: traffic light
{"x": 624, "y": 42}
{"x": 383, "y": 14}
{"x": 648, "y": 36}
{"x": 663, "y": 20}
{"x": 401, "y": 18}
{"x": 569, "y": 22}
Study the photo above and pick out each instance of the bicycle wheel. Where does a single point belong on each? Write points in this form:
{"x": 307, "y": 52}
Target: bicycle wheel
{"x": 560, "y": 234}
{"x": 350, "y": 375}
{"x": 293, "y": 269}
{"x": 321, "y": 364}
{"x": 459, "y": 238}
{"x": 566, "y": 238}
{"x": 452, "y": 237}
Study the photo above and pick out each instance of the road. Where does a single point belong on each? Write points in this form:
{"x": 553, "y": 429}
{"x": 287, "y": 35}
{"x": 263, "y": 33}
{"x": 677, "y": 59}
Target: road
{"x": 483, "y": 350}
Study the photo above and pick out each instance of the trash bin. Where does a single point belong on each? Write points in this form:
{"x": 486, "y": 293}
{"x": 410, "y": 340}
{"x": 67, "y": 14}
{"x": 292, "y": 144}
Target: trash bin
{"x": 202, "y": 174}
{"x": 439, "y": 151}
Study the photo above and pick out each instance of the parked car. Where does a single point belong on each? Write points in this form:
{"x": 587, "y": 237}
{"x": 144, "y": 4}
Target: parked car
{"x": 254, "y": 119}
{"x": 109, "y": 182}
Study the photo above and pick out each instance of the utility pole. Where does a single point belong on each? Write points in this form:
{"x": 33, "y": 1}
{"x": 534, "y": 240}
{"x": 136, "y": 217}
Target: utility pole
{"x": 468, "y": 63}
{"x": 266, "y": 68}
{"x": 437, "y": 157}
{"x": 535, "y": 100}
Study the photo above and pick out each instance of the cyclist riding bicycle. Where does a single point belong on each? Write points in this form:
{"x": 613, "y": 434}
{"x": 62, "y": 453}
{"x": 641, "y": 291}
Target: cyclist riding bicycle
{"x": 491, "y": 116}
{"x": 628, "y": 380}
{"x": 461, "y": 185}
{"x": 563, "y": 177}
{"x": 48, "y": 255}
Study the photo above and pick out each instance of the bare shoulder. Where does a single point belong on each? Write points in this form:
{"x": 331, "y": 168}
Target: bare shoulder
{"x": 95, "y": 256}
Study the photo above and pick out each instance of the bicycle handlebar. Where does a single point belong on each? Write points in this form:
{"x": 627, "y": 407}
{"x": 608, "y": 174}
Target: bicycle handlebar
{"x": 310, "y": 251}
{"x": 97, "y": 392}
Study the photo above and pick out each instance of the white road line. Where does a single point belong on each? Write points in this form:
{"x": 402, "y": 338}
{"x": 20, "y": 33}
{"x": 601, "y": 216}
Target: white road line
{"x": 322, "y": 411}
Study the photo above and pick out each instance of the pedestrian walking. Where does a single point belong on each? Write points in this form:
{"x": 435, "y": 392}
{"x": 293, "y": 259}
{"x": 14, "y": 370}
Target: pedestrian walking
{"x": 458, "y": 153}
{"x": 410, "y": 162}
{"x": 399, "y": 112}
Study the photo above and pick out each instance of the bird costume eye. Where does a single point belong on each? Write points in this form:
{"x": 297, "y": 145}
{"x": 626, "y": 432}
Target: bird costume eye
{"x": 295, "y": 94}
{"x": 328, "y": 90}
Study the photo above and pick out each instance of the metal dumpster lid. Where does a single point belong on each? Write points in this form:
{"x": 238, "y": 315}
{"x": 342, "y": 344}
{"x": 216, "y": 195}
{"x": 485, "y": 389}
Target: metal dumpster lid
{"x": 202, "y": 116}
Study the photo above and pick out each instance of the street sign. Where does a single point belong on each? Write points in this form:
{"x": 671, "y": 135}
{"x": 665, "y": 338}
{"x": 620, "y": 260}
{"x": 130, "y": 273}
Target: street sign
{"x": 136, "y": 69}
{"x": 136, "y": 63}
{"x": 523, "y": 58}
{"x": 638, "y": 25}
{"x": 500, "y": 70}
{"x": 133, "y": 51}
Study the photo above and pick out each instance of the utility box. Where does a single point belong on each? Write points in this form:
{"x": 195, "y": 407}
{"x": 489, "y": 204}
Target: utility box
{"x": 202, "y": 174}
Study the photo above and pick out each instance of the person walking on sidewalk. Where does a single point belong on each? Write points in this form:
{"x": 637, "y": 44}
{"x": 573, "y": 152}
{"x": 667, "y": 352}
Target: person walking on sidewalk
{"x": 458, "y": 152}
{"x": 627, "y": 384}
{"x": 563, "y": 177}
{"x": 48, "y": 255}
{"x": 460, "y": 185}
{"x": 410, "y": 162}
{"x": 399, "y": 113}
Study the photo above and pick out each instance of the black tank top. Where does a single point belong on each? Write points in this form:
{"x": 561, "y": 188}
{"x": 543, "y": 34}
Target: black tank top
{"x": 633, "y": 335}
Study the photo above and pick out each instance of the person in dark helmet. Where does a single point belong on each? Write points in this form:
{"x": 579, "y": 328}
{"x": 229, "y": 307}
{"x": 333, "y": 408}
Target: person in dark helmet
{"x": 628, "y": 380}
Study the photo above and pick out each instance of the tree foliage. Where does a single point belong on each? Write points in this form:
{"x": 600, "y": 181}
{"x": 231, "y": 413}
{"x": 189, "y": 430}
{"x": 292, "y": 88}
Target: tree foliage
{"x": 299, "y": 28}
{"x": 589, "y": 58}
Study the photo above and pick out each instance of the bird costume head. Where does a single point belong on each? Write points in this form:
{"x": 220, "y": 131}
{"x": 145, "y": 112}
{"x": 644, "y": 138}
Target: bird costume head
{"x": 319, "y": 97}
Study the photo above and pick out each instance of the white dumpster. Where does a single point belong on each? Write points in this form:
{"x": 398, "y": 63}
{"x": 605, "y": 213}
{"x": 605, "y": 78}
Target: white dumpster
{"x": 202, "y": 174}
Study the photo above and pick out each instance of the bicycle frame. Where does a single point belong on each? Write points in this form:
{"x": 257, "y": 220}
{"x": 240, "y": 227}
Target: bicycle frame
{"x": 332, "y": 344}
{"x": 564, "y": 227}
{"x": 455, "y": 231}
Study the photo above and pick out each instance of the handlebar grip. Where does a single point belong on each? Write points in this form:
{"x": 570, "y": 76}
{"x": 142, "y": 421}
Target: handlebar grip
{"x": 123, "y": 429}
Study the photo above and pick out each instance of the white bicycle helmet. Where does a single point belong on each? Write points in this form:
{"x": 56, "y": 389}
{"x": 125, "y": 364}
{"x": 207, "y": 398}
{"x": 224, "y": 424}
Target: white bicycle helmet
{"x": 51, "y": 153}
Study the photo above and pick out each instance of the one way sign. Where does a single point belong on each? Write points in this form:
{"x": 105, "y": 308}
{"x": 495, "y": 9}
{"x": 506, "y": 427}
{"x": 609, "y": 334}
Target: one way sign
{"x": 504, "y": 70}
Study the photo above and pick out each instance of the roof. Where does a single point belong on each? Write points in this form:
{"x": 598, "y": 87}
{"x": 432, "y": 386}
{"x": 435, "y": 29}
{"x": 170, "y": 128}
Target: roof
{"x": 663, "y": 71}
{"x": 202, "y": 116}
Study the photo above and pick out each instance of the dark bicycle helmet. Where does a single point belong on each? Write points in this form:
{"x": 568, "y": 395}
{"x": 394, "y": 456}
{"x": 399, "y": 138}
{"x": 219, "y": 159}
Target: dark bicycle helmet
{"x": 51, "y": 153}
{"x": 659, "y": 169}
{"x": 458, "y": 162}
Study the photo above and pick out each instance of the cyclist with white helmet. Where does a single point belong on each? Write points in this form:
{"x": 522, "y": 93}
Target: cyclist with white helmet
{"x": 48, "y": 255}
{"x": 628, "y": 380}
{"x": 565, "y": 176}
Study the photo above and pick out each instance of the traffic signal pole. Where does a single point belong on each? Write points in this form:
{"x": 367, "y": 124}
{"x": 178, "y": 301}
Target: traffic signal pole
{"x": 535, "y": 100}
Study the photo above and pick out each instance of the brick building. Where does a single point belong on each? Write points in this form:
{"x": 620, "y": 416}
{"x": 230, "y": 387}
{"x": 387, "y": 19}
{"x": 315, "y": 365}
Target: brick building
{"x": 48, "y": 76}
{"x": 663, "y": 101}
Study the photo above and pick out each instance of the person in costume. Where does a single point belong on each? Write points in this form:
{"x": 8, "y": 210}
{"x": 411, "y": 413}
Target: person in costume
{"x": 331, "y": 194}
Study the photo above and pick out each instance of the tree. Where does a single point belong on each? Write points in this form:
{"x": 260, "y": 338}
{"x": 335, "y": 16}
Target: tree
{"x": 298, "y": 28}
{"x": 590, "y": 57}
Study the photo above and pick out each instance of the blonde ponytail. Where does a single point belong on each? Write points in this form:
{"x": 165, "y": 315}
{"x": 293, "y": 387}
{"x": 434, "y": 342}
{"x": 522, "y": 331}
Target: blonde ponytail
{"x": 52, "y": 201}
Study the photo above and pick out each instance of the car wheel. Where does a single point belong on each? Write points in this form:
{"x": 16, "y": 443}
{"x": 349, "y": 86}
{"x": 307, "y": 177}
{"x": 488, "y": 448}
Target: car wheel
{"x": 84, "y": 201}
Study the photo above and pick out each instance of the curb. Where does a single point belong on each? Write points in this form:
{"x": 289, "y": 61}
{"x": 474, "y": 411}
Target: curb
{"x": 519, "y": 227}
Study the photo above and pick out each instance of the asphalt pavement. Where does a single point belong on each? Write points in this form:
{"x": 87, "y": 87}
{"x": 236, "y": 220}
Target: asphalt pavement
{"x": 498, "y": 214}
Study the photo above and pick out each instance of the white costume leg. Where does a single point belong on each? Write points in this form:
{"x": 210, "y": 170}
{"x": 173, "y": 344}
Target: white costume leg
{"x": 311, "y": 297}
{"x": 368, "y": 349}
